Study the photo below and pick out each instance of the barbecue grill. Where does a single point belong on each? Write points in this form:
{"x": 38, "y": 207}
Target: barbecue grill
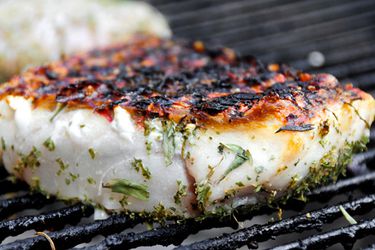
{"x": 327, "y": 36}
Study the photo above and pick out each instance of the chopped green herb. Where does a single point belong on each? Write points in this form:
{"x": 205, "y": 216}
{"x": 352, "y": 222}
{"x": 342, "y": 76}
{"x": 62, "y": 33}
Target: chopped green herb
{"x": 129, "y": 188}
{"x": 73, "y": 176}
{"x": 82, "y": 125}
{"x": 91, "y": 181}
{"x": 62, "y": 165}
{"x": 322, "y": 143}
{"x": 67, "y": 181}
{"x": 347, "y": 216}
{"x": 124, "y": 201}
{"x": 229, "y": 193}
{"x": 59, "y": 108}
{"x": 258, "y": 188}
{"x": 259, "y": 169}
{"x": 92, "y": 153}
{"x": 29, "y": 161}
{"x": 3, "y": 146}
{"x": 181, "y": 191}
{"x": 240, "y": 184}
{"x": 49, "y": 144}
{"x": 203, "y": 192}
{"x": 35, "y": 185}
{"x": 241, "y": 157}
{"x": 211, "y": 171}
{"x": 168, "y": 141}
{"x": 148, "y": 146}
{"x": 138, "y": 166}
{"x": 357, "y": 113}
{"x": 147, "y": 128}
{"x": 160, "y": 213}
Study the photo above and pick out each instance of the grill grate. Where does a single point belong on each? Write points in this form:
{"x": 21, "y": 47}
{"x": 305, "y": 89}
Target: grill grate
{"x": 342, "y": 31}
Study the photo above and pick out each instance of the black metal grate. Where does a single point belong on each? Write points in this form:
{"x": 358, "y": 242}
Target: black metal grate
{"x": 343, "y": 32}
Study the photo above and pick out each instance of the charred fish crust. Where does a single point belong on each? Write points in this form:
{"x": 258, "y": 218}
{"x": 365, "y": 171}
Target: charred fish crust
{"x": 174, "y": 78}
{"x": 219, "y": 104}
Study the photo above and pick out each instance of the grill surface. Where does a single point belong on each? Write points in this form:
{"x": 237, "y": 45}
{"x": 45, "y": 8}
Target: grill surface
{"x": 331, "y": 36}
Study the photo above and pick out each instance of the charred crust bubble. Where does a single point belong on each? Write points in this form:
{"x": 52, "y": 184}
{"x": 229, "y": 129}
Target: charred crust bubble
{"x": 153, "y": 77}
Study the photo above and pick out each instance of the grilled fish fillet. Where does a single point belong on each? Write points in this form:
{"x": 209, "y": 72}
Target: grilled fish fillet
{"x": 174, "y": 128}
{"x": 39, "y": 31}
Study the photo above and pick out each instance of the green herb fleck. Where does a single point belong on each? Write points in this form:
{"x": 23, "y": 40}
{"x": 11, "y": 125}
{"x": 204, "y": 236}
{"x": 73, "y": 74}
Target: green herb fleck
{"x": 347, "y": 216}
{"x": 67, "y": 181}
{"x": 92, "y": 153}
{"x": 148, "y": 146}
{"x": 62, "y": 165}
{"x": 59, "y": 108}
{"x": 168, "y": 141}
{"x": 240, "y": 184}
{"x": 49, "y": 144}
{"x": 124, "y": 201}
{"x": 211, "y": 171}
{"x": 181, "y": 191}
{"x": 138, "y": 166}
{"x": 3, "y": 146}
{"x": 258, "y": 188}
{"x": 73, "y": 177}
{"x": 29, "y": 161}
{"x": 203, "y": 192}
{"x": 229, "y": 193}
{"x": 129, "y": 188}
{"x": 82, "y": 125}
{"x": 241, "y": 157}
{"x": 91, "y": 181}
{"x": 35, "y": 185}
{"x": 259, "y": 169}
{"x": 357, "y": 113}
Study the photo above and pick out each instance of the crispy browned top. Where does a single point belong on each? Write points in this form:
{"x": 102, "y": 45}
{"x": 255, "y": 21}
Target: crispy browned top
{"x": 152, "y": 77}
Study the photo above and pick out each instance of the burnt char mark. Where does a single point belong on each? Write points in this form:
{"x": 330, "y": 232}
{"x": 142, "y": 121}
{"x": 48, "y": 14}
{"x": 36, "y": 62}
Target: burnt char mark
{"x": 159, "y": 77}
{"x": 219, "y": 104}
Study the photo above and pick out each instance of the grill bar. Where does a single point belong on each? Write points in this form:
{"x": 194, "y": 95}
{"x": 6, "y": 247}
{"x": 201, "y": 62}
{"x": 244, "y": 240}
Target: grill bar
{"x": 342, "y": 186}
{"x": 371, "y": 247}
{"x": 8, "y": 186}
{"x": 169, "y": 234}
{"x": 54, "y": 219}
{"x": 14, "y": 205}
{"x": 346, "y": 236}
{"x": 302, "y": 222}
{"x": 175, "y": 234}
{"x": 74, "y": 235}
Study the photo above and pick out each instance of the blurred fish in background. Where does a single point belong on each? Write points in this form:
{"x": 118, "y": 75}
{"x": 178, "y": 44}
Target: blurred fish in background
{"x": 35, "y": 32}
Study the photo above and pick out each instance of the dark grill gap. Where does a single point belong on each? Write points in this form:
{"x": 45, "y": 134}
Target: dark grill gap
{"x": 342, "y": 30}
